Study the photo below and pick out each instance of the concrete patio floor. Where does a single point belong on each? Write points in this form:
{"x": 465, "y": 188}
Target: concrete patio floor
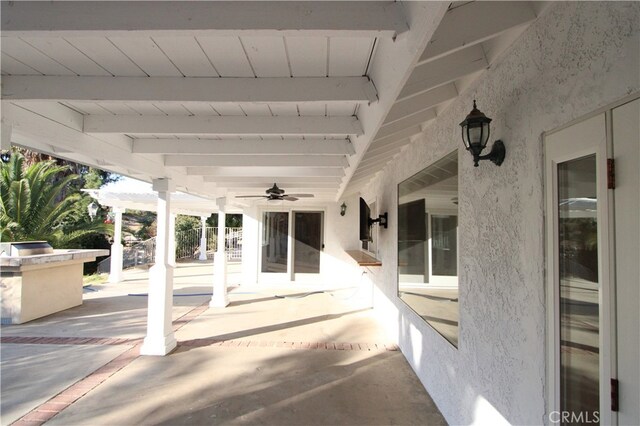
{"x": 304, "y": 359}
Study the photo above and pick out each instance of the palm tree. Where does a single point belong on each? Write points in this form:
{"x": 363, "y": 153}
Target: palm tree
{"x": 30, "y": 208}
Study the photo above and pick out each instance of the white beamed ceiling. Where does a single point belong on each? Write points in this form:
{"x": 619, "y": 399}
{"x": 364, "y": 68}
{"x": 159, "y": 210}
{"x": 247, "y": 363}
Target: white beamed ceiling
{"x": 469, "y": 38}
{"x": 227, "y": 97}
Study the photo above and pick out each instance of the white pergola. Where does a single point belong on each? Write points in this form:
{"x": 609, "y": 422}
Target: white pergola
{"x": 220, "y": 99}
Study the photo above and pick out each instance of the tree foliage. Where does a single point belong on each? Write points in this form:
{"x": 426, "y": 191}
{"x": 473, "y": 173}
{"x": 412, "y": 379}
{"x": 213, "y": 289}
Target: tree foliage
{"x": 41, "y": 201}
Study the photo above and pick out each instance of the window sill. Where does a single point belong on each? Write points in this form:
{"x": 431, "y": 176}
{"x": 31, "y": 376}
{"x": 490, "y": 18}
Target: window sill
{"x": 363, "y": 259}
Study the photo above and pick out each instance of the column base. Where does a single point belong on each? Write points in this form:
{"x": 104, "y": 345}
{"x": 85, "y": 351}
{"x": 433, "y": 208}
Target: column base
{"x": 158, "y": 346}
{"x": 116, "y": 278}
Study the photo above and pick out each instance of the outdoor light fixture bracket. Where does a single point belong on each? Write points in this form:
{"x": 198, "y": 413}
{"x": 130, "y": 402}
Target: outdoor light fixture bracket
{"x": 475, "y": 135}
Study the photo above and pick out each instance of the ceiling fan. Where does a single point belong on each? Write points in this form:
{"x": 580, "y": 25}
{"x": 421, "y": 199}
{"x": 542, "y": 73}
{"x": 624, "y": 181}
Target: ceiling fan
{"x": 276, "y": 194}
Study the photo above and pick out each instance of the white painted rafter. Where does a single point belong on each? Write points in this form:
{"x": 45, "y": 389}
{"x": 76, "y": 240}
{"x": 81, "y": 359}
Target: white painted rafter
{"x": 257, "y": 160}
{"x": 265, "y": 183}
{"x": 407, "y": 122}
{"x": 395, "y": 137}
{"x": 298, "y": 180}
{"x": 224, "y": 18}
{"x": 444, "y": 70}
{"x": 269, "y": 173}
{"x": 300, "y": 90}
{"x": 390, "y": 68}
{"x": 421, "y": 102}
{"x": 181, "y": 125}
{"x": 476, "y": 22}
{"x": 237, "y": 147}
{"x": 30, "y": 129}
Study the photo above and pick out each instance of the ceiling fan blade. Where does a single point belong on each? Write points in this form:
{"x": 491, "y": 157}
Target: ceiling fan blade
{"x": 289, "y": 198}
{"x": 301, "y": 195}
{"x": 251, "y": 196}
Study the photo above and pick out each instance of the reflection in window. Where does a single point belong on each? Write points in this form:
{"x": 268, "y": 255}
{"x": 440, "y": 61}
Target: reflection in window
{"x": 579, "y": 286}
{"x": 428, "y": 245}
{"x": 275, "y": 241}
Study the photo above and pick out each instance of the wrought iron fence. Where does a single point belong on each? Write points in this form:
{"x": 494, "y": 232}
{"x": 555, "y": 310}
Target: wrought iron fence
{"x": 188, "y": 243}
{"x": 139, "y": 254}
{"x": 187, "y": 246}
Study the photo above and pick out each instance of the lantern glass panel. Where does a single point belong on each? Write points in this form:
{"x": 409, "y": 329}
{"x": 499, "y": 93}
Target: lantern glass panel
{"x": 475, "y": 134}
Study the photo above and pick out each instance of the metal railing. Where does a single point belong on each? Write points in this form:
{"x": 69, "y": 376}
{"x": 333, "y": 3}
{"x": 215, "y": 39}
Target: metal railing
{"x": 187, "y": 246}
{"x": 188, "y": 243}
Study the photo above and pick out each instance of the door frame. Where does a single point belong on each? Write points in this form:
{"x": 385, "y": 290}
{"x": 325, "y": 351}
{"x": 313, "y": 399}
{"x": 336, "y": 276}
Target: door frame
{"x": 288, "y": 276}
{"x": 554, "y": 155}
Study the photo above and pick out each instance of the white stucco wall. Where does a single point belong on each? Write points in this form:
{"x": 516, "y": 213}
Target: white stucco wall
{"x": 576, "y": 58}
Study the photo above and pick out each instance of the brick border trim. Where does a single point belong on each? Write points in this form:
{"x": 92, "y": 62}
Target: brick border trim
{"x": 70, "y": 395}
{"x": 330, "y": 346}
{"x": 64, "y": 399}
{"x": 68, "y": 340}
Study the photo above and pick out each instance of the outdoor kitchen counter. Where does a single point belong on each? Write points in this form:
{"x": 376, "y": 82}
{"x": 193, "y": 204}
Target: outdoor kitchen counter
{"x": 36, "y": 261}
{"x": 37, "y": 285}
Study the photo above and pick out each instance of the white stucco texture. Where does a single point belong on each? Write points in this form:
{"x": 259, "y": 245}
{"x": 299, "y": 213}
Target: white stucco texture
{"x": 575, "y": 58}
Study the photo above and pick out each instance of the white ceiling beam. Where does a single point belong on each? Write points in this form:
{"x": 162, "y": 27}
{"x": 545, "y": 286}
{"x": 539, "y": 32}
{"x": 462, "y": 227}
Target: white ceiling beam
{"x": 184, "y": 89}
{"x": 300, "y": 180}
{"x": 373, "y": 166}
{"x": 390, "y": 68}
{"x": 403, "y": 134}
{"x": 475, "y": 22}
{"x": 444, "y": 70}
{"x": 264, "y": 184}
{"x": 236, "y": 147}
{"x": 195, "y": 19}
{"x": 360, "y": 181}
{"x": 406, "y": 122}
{"x": 268, "y": 173}
{"x": 423, "y": 101}
{"x": 31, "y": 130}
{"x": 228, "y": 125}
{"x": 387, "y": 153}
{"x": 256, "y": 160}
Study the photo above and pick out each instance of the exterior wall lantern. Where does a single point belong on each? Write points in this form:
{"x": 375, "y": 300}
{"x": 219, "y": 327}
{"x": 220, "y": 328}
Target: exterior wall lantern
{"x": 343, "y": 209}
{"x": 93, "y": 210}
{"x": 475, "y": 135}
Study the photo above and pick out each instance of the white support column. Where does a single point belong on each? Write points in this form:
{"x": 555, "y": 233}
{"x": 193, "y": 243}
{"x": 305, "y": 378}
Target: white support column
{"x": 115, "y": 272}
{"x": 220, "y": 298}
{"x": 250, "y": 245}
{"x": 160, "y": 339}
{"x": 203, "y": 239}
{"x": 172, "y": 239}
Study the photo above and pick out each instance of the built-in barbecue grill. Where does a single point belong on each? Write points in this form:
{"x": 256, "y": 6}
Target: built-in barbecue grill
{"x": 25, "y": 248}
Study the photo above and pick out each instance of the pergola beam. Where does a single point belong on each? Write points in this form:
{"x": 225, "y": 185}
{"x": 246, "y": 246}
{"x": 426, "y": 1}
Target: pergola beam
{"x": 237, "y": 147}
{"x": 228, "y": 125}
{"x": 198, "y": 19}
{"x": 188, "y": 89}
{"x": 257, "y": 160}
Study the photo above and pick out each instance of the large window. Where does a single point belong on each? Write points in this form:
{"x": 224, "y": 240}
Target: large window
{"x": 428, "y": 245}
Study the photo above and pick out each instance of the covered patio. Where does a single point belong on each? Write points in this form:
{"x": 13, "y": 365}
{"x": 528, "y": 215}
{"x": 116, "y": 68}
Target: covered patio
{"x": 273, "y": 356}
{"x": 344, "y": 114}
